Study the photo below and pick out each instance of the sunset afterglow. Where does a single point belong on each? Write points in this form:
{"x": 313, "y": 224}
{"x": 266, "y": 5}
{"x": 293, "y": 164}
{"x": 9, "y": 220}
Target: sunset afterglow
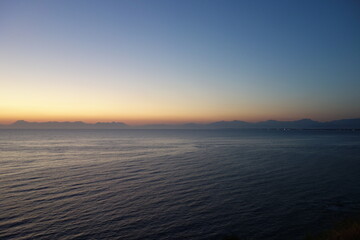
{"x": 178, "y": 61}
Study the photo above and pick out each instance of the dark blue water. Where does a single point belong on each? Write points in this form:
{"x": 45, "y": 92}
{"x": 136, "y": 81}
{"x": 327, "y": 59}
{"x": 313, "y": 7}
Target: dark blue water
{"x": 175, "y": 184}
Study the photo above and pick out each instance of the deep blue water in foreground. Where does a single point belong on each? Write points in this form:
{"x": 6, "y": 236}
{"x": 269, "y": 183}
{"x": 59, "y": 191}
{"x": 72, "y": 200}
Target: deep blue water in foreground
{"x": 176, "y": 184}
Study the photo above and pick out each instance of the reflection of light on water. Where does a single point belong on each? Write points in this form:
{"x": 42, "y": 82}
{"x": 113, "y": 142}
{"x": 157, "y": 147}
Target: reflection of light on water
{"x": 171, "y": 184}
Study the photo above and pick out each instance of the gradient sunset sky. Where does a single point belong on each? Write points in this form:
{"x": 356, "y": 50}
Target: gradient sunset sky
{"x": 179, "y": 61}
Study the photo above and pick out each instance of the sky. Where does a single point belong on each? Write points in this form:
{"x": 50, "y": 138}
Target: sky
{"x": 179, "y": 61}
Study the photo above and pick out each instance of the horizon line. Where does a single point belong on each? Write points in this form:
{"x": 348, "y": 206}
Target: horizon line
{"x": 170, "y": 123}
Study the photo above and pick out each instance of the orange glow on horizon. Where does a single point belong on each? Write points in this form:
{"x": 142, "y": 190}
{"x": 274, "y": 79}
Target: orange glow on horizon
{"x": 146, "y": 120}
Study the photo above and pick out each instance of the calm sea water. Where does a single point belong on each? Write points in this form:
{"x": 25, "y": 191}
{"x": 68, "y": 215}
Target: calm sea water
{"x": 175, "y": 184}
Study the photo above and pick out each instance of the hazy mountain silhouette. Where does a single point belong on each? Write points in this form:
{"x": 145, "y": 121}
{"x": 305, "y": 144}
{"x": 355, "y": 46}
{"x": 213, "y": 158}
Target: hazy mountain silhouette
{"x": 298, "y": 124}
{"x": 303, "y": 123}
{"x": 21, "y": 124}
{"x": 230, "y": 124}
{"x": 270, "y": 124}
{"x": 110, "y": 125}
{"x": 343, "y": 123}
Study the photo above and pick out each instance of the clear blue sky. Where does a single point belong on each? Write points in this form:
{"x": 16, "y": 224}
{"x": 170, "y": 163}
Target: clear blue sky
{"x": 179, "y": 61}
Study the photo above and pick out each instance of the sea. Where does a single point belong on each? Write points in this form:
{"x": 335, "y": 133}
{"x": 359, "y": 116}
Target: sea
{"x": 176, "y": 184}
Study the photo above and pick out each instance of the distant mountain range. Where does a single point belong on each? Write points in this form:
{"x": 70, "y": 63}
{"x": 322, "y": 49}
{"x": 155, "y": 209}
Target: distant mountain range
{"x": 21, "y": 124}
{"x": 270, "y": 124}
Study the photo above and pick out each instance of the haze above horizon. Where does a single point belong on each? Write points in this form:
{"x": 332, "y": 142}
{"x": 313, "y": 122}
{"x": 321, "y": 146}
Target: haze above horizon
{"x": 144, "y": 62}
